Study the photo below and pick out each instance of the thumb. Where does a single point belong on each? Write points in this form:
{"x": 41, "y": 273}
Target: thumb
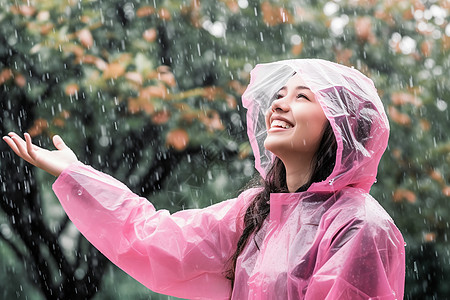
{"x": 59, "y": 143}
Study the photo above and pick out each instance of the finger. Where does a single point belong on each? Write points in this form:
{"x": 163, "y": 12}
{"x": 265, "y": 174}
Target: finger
{"x": 30, "y": 148}
{"x": 11, "y": 144}
{"x": 13, "y": 134}
{"x": 21, "y": 147}
{"x": 59, "y": 143}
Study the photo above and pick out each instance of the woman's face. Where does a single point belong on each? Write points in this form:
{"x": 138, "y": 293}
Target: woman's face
{"x": 295, "y": 121}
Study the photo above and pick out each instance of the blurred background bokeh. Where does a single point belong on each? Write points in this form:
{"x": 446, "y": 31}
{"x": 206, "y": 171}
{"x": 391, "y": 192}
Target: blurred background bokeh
{"x": 149, "y": 92}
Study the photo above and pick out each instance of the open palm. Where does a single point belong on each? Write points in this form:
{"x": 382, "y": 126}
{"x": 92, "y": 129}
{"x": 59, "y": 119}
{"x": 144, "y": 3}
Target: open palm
{"x": 53, "y": 162}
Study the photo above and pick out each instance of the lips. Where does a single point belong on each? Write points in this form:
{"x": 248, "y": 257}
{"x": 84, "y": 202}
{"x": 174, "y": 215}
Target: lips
{"x": 278, "y": 122}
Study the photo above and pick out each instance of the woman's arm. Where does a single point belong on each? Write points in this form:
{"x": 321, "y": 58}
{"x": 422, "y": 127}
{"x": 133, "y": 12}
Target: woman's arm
{"x": 184, "y": 254}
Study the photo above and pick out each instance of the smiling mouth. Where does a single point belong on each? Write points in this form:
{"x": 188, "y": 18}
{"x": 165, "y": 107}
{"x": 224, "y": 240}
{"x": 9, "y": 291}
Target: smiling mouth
{"x": 280, "y": 124}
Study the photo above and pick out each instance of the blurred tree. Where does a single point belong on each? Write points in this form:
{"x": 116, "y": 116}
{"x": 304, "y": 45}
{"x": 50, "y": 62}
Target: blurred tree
{"x": 150, "y": 91}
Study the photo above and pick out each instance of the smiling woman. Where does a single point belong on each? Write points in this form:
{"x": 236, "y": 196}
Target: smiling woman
{"x": 295, "y": 123}
{"x": 308, "y": 230}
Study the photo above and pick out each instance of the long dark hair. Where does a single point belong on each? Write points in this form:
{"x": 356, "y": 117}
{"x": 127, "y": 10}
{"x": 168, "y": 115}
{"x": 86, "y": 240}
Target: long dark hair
{"x": 275, "y": 182}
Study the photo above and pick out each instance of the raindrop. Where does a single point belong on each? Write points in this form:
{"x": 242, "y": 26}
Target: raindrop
{"x": 441, "y": 104}
{"x": 296, "y": 39}
{"x": 330, "y": 8}
{"x": 6, "y": 231}
{"x": 338, "y": 24}
{"x": 243, "y": 4}
{"x": 407, "y": 45}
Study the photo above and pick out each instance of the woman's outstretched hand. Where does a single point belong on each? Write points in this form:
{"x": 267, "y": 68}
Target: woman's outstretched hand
{"x": 53, "y": 162}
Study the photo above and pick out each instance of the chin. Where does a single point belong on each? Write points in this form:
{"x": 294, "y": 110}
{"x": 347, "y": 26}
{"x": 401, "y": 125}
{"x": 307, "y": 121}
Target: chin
{"x": 274, "y": 146}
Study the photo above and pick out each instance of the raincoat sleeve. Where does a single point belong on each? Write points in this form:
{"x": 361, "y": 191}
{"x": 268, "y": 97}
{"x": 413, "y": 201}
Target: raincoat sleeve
{"x": 360, "y": 258}
{"x": 184, "y": 254}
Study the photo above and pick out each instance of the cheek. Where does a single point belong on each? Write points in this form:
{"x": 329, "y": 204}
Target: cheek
{"x": 267, "y": 118}
{"x": 311, "y": 128}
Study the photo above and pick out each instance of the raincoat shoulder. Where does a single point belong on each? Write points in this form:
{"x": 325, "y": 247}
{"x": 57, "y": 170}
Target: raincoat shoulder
{"x": 184, "y": 254}
{"x": 361, "y": 254}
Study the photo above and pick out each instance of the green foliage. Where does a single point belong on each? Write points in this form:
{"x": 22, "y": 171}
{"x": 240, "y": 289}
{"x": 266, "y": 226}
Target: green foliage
{"x": 150, "y": 94}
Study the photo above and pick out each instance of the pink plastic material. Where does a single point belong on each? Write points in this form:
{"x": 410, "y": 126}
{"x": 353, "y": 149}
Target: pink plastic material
{"x": 351, "y": 104}
{"x": 333, "y": 241}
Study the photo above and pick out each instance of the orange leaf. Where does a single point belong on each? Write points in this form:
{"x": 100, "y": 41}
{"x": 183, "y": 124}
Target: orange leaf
{"x": 166, "y": 76}
{"x": 430, "y": 237}
{"x": 233, "y": 6}
{"x": 38, "y": 126}
{"x": 178, "y": 139}
{"x": 87, "y": 59}
{"x": 297, "y": 49}
{"x": 212, "y": 92}
{"x": 145, "y": 11}
{"x": 72, "y": 89}
{"x": 75, "y": 49}
{"x": 401, "y": 194}
{"x": 397, "y": 153}
{"x": 134, "y": 77}
{"x": 85, "y": 19}
{"x": 101, "y": 64}
{"x": 445, "y": 42}
{"x": 124, "y": 58}
{"x": 65, "y": 114}
{"x": 343, "y": 56}
{"x": 85, "y": 37}
{"x": 437, "y": 176}
{"x": 269, "y": 17}
{"x": 113, "y": 71}
{"x": 381, "y": 14}
{"x": 46, "y": 28}
{"x": 400, "y": 98}
{"x": 418, "y": 5}
{"x": 274, "y": 15}
{"x": 5, "y": 75}
{"x": 408, "y": 14}
{"x": 20, "y": 80}
{"x": 212, "y": 121}
{"x": 446, "y": 191}
{"x": 363, "y": 28}
{"x": 425, "y": 125}
{"x": 231, "y": 101}
{"x": 426, "y": 47}
{"x": 164, "y": 14}
{"x": 150, "y": 35}
{"x": 59, "y": 122}
{"x": 24, "y": 10}
{"x": 161, "y": 117}
{"x": 153, "y": 92}
{"x": 133, "y": 105}
{"x": 237, "y": 86}
{"x": 43, "y": 16}
{"x": 398, "y": 117}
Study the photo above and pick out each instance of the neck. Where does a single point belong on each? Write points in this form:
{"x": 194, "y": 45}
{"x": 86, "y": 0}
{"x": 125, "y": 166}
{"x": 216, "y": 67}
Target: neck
{"x": 298, "y": 173}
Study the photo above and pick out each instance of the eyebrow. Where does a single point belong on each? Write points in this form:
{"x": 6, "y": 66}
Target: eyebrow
{"x": 299, "y": 87}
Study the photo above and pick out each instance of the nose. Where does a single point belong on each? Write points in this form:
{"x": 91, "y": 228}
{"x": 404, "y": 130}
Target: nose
{"x": 280, "y": 105}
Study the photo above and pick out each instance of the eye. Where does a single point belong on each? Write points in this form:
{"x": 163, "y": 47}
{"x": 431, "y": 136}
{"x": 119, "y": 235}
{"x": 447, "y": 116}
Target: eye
{"x": 278, "y": 96}
{"x": 302, "y": 96}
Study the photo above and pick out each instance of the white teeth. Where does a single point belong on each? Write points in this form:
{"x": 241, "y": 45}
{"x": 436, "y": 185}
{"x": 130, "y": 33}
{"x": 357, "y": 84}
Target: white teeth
{"x": 279, "y": 123}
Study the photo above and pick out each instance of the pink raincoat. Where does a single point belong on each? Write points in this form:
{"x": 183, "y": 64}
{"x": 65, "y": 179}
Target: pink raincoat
{"x": 333, "y": 241}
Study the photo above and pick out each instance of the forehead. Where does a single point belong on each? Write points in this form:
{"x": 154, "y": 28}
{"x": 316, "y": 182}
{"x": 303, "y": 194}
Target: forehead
{"x": 295, "y": 81}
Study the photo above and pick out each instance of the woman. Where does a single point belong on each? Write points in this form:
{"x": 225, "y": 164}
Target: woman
{"x": 310, "y": 231}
